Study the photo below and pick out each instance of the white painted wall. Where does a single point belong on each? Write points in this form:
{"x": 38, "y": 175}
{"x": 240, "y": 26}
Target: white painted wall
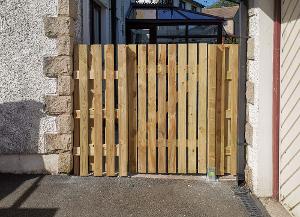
{"x": 260, "y": 72}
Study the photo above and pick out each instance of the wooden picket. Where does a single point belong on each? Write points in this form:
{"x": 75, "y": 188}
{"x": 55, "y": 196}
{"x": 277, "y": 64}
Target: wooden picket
{"x": 155, "y": 109}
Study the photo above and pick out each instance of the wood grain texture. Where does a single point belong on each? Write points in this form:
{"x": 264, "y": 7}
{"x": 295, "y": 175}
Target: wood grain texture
{"x": 219, "y": 119}
{"x": 182, "y": 102}
{"x": 142, "y": 126}
{"x": 123, "y": 109}
{"x": 162, "y": 109}
{"x": 151, "y": 108}
{"x": 132, "y": 106}
{"x": 110, "y": 110}
{"x": 234, "y": 110}
{"x": 212, "y": 79}
{"x": 83, "y": 99}
{"x": 172, "y": 99}
{"x": 192, "y": 108}
{"x": 202, "y": 113}
{"x": 76, "y": 106}
{"x": 96, "y": 54}
{"x": 223, "y": 113}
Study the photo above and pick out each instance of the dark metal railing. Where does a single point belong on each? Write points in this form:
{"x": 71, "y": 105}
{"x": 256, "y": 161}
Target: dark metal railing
{"x": 153, "y": 2}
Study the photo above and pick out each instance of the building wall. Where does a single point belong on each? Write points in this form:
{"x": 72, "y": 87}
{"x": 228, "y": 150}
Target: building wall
{"x": 23, "y": 85}
{"x": 290, "y": 107}
{"x": 106, "y": 28}
{"x": 188, "y": 5}
{"x": 36, "y": 40}
{"x": 259, "y": 98}
{"x": 229, "y": 26}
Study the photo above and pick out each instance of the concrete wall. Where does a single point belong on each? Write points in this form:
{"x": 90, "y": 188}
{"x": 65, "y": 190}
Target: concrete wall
{"x": 259, "y": 98}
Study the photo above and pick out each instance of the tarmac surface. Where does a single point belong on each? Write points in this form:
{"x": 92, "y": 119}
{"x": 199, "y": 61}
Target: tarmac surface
{"x": 145, "y": 196}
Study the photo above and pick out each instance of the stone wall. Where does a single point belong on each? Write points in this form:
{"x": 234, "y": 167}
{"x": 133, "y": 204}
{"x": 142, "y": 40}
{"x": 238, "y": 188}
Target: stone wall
{"x": 60, "y": 66}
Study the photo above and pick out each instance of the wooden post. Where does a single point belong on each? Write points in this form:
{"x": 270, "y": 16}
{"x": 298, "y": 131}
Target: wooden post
{"x": 211, "y": 143}
{"x": 98, "y": 119}
{"x": 151, "y": 108}
{"x": 84, "y": 113}
{"x": 182, "y": 101}
{"x": 192, "y": 108}
{"x": 123, "y": 111}
{"x": 202, "y": 113}
{"x": 110, "y": 110}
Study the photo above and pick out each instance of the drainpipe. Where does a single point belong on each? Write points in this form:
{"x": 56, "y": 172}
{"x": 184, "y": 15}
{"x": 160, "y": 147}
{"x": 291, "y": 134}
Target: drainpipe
{"x": 276, "y": 96}
{"x": 113, "y": 21}
{"x": 243, "y": 36}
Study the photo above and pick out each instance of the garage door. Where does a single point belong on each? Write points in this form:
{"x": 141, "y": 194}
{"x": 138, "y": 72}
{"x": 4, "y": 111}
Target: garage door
{"x": 290, "y": 107}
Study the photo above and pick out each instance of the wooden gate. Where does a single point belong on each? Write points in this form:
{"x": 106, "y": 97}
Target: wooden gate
{"x": 166, "y": 109}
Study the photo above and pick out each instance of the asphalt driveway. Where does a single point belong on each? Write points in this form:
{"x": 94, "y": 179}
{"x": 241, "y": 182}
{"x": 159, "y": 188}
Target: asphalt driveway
{"x": 45, "y": 196}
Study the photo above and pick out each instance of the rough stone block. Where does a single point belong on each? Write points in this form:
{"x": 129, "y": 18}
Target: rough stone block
{"x": 65, "y": 123}
{"x": 249, "y": 133}
{"x": 59, "y": 26}
{"x": 56, "y": 143}
{"x": 250, "y": 49}
{"x": 247, "y": 113}
{"x": 65, "y": 85}
{"x": 249, "y": 177}
{"x": 65, "y": 46}
{"x": 56, "y": 105}
{"x": 250, "y": 92}
{"x": 67, "y": 8}
{"x": 60, "y": 65}
{"x": 65, "y": 163}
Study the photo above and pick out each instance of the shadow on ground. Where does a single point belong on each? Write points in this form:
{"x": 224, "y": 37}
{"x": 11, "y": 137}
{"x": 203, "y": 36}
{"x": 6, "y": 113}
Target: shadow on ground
{"x": 16, "y": 186}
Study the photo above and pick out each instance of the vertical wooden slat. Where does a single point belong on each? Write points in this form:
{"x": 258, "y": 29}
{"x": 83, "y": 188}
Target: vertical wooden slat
{"x": 151, "y": 108}
{"x": 223, "y": 112}
{"x": 83, "y": 97}
{"x": 192, "y": 107}
{"x": 182, "y": 88}
{"x": 227, "y": 101}
{"x": 142, "y": 109}
{"x": 110, "y": 110}
{"x": 161, "y": 108}
{"x": 219, "y": 113}
{"x": 123, "y": 111}
{"x": 202, "y": 114}
{"x": 234, "y": 101}
{"x": 132, "y": 106}
{"x": 172, "y": 98}
{"x": 211, "y": 143}
{"x": 76, "y": 107}
{"x": 96, "y": 54}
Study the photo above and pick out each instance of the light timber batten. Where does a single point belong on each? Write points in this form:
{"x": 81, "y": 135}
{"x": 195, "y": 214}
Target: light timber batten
{"x": 167, "y": 109}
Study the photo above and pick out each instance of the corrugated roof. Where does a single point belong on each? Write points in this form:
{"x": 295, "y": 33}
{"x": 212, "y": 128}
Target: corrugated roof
{"x": 225, "y": 12}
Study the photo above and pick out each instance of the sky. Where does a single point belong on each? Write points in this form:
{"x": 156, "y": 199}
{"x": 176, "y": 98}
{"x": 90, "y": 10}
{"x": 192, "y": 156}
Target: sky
{"x": 206, "y": 2}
